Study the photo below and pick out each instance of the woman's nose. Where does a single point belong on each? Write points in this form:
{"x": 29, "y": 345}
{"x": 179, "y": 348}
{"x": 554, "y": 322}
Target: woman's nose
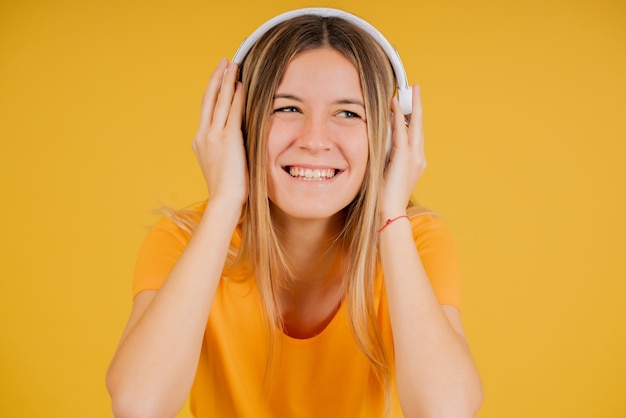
{"x": 315, "y": 136}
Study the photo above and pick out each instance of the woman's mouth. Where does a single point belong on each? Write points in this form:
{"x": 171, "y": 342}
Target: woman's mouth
{"x": 311, "y": 174}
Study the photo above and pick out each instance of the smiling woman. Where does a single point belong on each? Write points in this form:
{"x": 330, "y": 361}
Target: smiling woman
{"x": 281, "y": 296}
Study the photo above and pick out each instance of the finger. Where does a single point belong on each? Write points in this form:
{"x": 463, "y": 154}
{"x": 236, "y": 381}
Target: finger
{"x": 235, "y": 117}
{"x": 416, "y": 131}
{"x": 399, "y": 127}
{"x": 210, "y": 95}
{"x": 415, "y": 127}
{"x": 225, "y": 97}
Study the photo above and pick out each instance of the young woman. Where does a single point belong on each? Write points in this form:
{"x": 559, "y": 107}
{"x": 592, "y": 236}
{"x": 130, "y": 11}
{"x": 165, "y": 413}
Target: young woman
{"x": 307, "y": 285}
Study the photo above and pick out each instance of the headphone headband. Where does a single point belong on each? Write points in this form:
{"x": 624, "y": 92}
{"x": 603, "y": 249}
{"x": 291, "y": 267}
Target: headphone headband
{"x": 404, "y": 90}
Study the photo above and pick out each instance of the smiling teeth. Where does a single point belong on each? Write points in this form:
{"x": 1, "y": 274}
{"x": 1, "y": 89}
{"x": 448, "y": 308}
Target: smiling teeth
{"x": 312, "y": 173}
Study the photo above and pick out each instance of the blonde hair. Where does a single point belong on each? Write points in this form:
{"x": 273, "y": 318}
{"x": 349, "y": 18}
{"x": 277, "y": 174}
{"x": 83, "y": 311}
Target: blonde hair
{"x": 261, "y": 253}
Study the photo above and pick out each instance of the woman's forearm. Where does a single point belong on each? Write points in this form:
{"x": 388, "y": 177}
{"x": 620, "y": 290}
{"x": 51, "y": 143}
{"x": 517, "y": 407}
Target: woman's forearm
{"x": 155, "y": 364}
{"x": 435, "y": 372}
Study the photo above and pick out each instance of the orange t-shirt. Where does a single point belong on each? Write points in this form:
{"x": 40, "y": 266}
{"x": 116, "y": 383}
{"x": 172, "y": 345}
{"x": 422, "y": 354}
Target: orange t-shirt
{"x": 323, "y": 376}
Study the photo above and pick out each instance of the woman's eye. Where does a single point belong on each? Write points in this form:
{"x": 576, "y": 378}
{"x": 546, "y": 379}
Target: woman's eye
{"x": 287, "y": 109}
{"x": 348, "y": 114}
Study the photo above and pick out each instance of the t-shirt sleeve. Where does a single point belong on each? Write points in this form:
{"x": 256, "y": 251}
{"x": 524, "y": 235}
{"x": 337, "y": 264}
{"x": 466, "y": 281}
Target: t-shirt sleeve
{"x": 160, "y": 250}
{"x": 437, "y": 251}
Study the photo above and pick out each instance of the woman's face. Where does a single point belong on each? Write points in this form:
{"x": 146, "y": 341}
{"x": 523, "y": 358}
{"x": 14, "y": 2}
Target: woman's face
{"x": 317, "y": 147}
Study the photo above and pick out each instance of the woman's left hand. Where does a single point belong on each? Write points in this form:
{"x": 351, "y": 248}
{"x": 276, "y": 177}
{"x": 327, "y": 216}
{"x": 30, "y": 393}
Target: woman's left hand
{"x": 407, "y": 161}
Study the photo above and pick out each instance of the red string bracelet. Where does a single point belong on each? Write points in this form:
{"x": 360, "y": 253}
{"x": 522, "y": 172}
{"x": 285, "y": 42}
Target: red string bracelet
{"x": 388, "y": 221}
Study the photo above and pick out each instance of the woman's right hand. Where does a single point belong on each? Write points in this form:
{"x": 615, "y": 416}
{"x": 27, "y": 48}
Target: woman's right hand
{"x": 218, "y": 144}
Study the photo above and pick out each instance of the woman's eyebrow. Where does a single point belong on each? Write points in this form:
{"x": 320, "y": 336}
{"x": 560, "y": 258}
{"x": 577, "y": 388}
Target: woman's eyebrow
{"x": 351, "y": 102}
{"x": 345, "y": 101}
{"x": 287, "y": 96}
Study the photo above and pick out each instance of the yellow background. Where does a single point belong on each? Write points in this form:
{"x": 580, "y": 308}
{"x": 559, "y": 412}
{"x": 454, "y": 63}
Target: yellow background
{"x": 525, "y": 126}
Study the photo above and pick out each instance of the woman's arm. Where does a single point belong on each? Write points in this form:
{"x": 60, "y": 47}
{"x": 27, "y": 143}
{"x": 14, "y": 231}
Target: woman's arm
{"x": 155, "y": 363}
{"x": 435, "y": 373}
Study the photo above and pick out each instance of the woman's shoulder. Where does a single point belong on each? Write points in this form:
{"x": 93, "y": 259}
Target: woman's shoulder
{"x": 428, "y": 228}
{"x": 437, "y": 249}
{"x": 424, "y": 219}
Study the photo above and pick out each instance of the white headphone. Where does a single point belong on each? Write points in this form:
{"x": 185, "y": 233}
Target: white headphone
{"x": 404, "y": 90}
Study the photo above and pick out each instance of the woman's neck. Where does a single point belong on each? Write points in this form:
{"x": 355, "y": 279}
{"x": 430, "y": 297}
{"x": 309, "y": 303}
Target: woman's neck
{"x": 311, "y": 245}
{"x": 317, "y": 287}
{"x": 315, "y": 256}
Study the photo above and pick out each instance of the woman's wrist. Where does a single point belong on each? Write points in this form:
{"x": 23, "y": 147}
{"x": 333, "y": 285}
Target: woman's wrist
{"x": 389, "y": 221}
{"x": 227, "y": 210}
{"x": 390, "y": 216}
{"x": 390, "y": 213}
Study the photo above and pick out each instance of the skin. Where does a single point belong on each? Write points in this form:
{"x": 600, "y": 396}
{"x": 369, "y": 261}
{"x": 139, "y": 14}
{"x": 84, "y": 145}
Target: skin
{"x": 318, "y": 122}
